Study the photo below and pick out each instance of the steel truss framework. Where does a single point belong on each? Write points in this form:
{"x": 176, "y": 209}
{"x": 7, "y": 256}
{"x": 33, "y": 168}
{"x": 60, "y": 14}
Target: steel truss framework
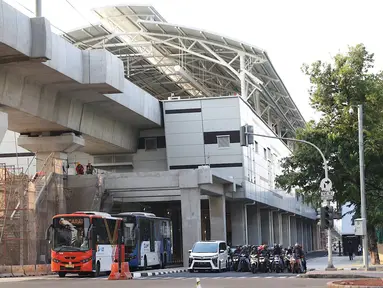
{"x": 168, "y": 60}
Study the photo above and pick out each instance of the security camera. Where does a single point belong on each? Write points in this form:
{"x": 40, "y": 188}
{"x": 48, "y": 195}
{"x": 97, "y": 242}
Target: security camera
{"x": 351, "y": 111}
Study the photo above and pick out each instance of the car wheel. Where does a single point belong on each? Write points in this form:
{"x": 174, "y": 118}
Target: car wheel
{"x": 191, "y": 270}
{"x": 62, "y": 274}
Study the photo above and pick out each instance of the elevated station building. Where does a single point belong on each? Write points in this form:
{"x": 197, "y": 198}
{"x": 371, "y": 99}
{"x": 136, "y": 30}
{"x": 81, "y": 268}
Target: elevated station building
{"x": 157, "y": 109}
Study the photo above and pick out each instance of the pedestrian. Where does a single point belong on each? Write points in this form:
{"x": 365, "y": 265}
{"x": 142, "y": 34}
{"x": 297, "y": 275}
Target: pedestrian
{"x": 350, "y": 250}
{"x": 359, "y": 249}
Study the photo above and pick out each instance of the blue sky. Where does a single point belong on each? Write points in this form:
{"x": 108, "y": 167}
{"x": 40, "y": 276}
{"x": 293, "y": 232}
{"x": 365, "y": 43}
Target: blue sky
{"x": 292, "y": 32}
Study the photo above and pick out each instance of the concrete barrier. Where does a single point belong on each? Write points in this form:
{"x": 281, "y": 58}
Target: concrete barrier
{"x": 44, "y": 269}
{"x": 17, "y": 271}
{"x": 5, "y": 271}
{"x": 29, "y": 270}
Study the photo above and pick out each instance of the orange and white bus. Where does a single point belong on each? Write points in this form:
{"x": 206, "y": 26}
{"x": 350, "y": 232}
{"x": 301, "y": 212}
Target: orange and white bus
{"x": 84, "y": 243}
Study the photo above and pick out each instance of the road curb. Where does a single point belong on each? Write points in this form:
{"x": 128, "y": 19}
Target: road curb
{"x": 149, "y": 274}
{"x": 349, "y": 269}
{"x": 336, "y": 276}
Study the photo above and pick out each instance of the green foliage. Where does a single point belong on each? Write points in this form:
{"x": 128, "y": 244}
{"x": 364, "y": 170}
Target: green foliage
{"x": 335, "y": 88}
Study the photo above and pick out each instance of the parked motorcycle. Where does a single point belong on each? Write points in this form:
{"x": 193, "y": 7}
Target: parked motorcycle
{"x": 244, "y": 263}
{"x": 277, "y": 264}
{"x": 235, "y": 262}
{"x": 263, "y": 264}
{"x": 287, "y": 262}
{"x": 254, "y": 262}
{"x": 295, "y": 264}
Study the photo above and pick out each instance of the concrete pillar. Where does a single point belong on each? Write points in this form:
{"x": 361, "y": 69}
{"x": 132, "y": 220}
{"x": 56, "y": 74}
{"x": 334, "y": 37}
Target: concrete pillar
{"x": 280, "y": 240}
{"x": 271, "y": 229}
{"x": 293, "y": 230}
{"x": 285, "y": 230}
{"x": 191, "y": 220}
{"x": 277, "y": 227}
{"x": 3, "y": 125}
{"x": 217, "y": 209}
{"x": 253, "y": 223}
{"x": 304, "y": 234}
{"x": 298, "y": 230}
{"x": 237, "y": 214}
{"x": 310, "y": 232}
{"x": 265, "y": 227}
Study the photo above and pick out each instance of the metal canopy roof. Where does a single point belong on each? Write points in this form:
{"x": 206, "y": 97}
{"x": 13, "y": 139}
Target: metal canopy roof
{"x": 171, "y": 60}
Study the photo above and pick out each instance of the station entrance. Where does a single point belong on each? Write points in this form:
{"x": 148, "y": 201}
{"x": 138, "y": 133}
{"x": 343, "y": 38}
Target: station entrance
{"x": 172, "y": 210}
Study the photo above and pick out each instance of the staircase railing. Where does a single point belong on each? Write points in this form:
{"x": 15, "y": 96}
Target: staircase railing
{"x": 43, "y": 177}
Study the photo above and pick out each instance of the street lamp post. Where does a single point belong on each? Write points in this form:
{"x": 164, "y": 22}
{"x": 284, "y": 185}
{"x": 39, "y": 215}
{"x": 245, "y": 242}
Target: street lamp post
{"x": 38, "y": 8}
{"x": 362, "y": 186}
{"x": 330, "y": 264}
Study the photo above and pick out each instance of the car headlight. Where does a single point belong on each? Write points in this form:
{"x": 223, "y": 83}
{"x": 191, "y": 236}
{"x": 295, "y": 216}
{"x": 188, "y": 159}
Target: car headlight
{"x": 215, "y": 260}
{"x": 190, "y": 260}
{"x": 55, "y": 260}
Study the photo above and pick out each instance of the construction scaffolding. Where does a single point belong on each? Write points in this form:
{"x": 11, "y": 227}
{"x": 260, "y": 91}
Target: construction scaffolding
{"x": 14, "y": 211}
{"x": 27, "y": 206}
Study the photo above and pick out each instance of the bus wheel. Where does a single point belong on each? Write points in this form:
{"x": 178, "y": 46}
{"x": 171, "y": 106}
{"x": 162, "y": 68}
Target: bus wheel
{"x": 145, "y": 263}
{"x": 98, "y": 268}
{"x": 164, "y": 261}
{"x": 62, "y": 274}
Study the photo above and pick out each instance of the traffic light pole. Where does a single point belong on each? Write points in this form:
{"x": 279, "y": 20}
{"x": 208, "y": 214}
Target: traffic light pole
{"x": 330, "y": 264}
{"x": 362, "y": 188}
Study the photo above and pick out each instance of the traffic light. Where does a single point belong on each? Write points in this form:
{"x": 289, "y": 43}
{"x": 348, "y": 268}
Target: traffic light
{"x": 246, "y": 139}
{"x": 327, "y": 217}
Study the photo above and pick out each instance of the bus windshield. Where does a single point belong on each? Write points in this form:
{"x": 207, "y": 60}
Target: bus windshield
{"x": 69, "y": 234}
{"x": 130, "y": 226}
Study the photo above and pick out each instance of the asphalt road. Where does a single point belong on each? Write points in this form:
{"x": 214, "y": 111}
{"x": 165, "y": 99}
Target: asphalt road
{"x": 48, "y": 282}
{"x": 223, "y": 275}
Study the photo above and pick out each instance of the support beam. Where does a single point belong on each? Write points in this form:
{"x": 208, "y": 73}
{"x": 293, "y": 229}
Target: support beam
{"x": 237, "y": 213}
{"x": 217, "y": 208}
{"x": 3, "y": 125}
{"x": 191, "y": 220}
{"x": 242, "y": 76}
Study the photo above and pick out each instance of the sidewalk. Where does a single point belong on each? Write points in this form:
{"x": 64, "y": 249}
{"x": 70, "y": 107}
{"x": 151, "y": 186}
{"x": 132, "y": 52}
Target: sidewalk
{"x": 342, "y": 274}
{"x": 340, "y": 263}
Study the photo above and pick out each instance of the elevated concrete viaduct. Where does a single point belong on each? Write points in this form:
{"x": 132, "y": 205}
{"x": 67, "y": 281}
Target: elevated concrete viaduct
{"x": 48, "y": 87}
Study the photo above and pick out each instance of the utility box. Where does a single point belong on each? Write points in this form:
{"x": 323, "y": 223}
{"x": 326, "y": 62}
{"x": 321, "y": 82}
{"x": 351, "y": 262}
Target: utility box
{"x": 359, "y": 226}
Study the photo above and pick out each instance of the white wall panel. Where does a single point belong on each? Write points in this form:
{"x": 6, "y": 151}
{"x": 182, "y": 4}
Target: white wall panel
{"x": 183, "y": 127}
{"x": 213, "y": 113}
{"x": 182, "y": 104}
{"x": 183, "y": 117}
{"x": 186, "y": 161}
{"x": 184, "y": 139}
{"x": 180, "y": 151}
{"x": 221, "y": 124}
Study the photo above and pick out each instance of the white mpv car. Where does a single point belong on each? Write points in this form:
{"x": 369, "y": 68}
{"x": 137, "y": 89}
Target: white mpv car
{"x": 208, "y": 255}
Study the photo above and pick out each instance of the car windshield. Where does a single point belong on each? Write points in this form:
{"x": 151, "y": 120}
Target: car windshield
{"x": 69, "y": 234}
{"x": 202, "y": 247}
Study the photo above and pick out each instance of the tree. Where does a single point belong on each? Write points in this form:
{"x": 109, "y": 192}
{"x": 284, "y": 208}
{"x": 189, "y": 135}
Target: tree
{"x": 335, "y": 88}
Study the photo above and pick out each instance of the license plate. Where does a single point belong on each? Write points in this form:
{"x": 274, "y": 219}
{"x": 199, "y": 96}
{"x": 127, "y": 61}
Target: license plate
{"x": 69, "y": 266}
